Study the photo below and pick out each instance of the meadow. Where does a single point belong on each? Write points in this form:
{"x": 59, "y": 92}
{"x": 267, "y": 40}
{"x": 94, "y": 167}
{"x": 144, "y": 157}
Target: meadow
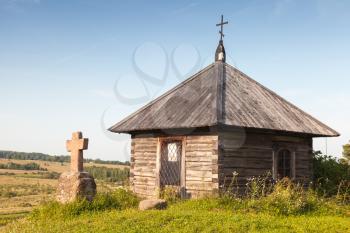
{"x": 23, "y": 190}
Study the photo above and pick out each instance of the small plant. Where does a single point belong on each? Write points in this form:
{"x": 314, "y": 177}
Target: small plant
{"x": 343, "y": 193}
{"x": 170, "y": 193}
{"x": 260, "y": 186}
{"x": 232, "y": 188}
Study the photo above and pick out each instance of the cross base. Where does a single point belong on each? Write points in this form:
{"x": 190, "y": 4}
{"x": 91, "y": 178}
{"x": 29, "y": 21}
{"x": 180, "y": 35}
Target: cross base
{"x": 74, "y": 185}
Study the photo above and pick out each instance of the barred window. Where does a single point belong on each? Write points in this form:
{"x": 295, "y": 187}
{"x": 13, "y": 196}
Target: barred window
{"x": 172, "y": 152}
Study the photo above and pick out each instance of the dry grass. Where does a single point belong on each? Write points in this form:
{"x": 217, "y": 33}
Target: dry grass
{"x": 19, "y": 172}
{"x": 13, "y": 180}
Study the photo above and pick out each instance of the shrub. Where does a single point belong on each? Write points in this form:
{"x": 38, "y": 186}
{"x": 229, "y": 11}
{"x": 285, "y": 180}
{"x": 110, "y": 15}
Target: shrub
{"x": 329, "y": 174}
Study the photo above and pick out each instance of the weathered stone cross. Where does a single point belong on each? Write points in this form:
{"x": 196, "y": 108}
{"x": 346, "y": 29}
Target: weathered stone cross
{"x": 76, "y": 146}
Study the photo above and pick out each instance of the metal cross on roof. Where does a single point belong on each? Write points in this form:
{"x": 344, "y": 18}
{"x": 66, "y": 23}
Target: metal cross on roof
{"x": 221, "y": 24}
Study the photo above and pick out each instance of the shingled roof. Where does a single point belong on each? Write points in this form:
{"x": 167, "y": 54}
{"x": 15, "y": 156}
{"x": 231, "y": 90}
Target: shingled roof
{"x": 222, "y": 95}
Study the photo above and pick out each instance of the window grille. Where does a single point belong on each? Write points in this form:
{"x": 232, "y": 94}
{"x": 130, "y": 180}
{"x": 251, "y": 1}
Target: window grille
{"x": 170, "y": 172}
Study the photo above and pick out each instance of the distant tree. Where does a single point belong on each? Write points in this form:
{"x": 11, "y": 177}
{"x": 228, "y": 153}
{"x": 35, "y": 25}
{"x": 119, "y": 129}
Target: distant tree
{"x": 346, "y": 153}
{"x": 118, "y": 175}
{"x": 45, "y": 157}
{"x": 27, "y": 166}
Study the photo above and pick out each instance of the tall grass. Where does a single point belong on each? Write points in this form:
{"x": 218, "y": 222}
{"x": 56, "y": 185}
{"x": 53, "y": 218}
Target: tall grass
{"x": 283, "y": 197}
{"x": 119, "y": 199}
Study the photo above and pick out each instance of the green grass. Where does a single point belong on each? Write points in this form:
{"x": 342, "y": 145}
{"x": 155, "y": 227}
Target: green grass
{"x": 188, "y": 216}
{"x": 116, "y": 212}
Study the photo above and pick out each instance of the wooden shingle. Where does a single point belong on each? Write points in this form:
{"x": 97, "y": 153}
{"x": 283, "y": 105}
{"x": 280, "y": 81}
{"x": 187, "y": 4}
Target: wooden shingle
{"x": 222, "y": 95}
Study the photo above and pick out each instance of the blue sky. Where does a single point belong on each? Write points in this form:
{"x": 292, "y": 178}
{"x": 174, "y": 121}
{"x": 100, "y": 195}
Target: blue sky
{"x": 66, "y": 65}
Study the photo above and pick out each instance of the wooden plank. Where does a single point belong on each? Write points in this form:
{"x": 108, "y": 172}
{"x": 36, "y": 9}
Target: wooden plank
{"x": 183, "y": 168}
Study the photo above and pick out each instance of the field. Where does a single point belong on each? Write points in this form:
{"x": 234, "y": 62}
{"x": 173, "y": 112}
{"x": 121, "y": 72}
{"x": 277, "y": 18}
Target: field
{"x": 22, "y": 190}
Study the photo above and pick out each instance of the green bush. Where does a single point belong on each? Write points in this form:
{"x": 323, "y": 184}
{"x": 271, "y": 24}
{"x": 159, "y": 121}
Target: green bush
{"x": 329, "y": 174}
{"x": 119, "y": 200}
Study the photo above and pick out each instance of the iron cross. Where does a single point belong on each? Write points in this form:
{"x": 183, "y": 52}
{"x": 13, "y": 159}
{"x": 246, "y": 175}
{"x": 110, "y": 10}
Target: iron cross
{"x": 221, "y": 25}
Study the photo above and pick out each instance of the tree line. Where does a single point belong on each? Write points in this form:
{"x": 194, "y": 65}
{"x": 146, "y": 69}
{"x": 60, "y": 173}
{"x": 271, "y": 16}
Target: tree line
{"x": 118, "y": 175}
{"x": 52, "y": 158}
{"x": 27, "y": 166}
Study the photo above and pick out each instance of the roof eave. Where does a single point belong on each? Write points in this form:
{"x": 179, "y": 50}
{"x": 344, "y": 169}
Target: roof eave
{"x": 308, "y": 134}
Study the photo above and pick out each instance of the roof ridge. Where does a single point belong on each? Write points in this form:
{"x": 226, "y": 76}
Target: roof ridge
{"x": 220, "y": 68}
{"x": 283, "y": 99}
{"x": 192, "y": 77}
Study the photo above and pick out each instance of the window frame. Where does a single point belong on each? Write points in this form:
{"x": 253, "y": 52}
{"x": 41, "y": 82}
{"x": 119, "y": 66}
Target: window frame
{"x": 275, "y": 158}
{"x": 162, "y": 140}
{"x": 284, "y": 169}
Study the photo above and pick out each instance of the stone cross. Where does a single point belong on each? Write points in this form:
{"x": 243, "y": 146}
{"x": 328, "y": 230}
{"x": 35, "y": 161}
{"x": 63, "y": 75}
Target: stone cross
{"x": 76, "y": 146}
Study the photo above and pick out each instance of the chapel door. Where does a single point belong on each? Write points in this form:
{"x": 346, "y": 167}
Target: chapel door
{"x": 170, "y": 169}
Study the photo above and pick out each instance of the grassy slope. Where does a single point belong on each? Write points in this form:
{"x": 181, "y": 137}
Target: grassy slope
{"x": 183, "y": 218}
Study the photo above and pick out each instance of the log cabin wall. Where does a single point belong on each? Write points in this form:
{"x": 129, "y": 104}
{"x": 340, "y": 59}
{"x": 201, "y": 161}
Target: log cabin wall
{"x": 210, "y": 160}
{"x": 201, "y": 170}
{"x": 201, "y": 158}
{"x": 143, "y": 166}
{"x": 252, "y": 154}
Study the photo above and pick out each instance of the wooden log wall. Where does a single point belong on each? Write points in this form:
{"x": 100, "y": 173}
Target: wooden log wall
{"x": 201, "y": 156}
{"x": 251, "y": 155}
{"x": 210, "y": 160}
{"x": 201, "y": 170}
{"x": 143, "y": 166}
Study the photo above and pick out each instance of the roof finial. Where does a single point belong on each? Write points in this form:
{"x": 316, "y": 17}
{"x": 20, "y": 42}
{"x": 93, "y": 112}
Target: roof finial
{"x": 220, "y": 54}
